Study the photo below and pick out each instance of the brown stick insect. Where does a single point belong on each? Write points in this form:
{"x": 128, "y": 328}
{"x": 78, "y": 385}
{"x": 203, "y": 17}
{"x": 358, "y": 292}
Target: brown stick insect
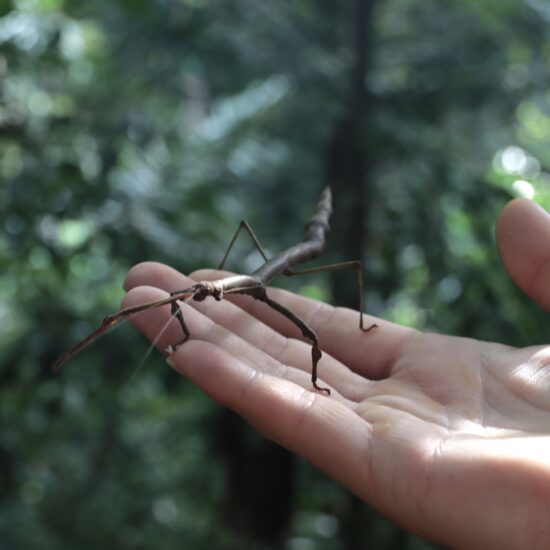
{"x": 254, "y": 285}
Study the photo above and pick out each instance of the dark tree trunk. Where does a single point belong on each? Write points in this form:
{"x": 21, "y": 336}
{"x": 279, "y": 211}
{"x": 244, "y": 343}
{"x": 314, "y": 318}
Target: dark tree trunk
{"x": 346, "y": 162}
{"x": 347, "y": 171}
{"x": 259, "y": 480}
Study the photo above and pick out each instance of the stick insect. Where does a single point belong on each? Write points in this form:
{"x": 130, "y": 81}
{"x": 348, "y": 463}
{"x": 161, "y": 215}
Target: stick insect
{"x": 254, "y": 285}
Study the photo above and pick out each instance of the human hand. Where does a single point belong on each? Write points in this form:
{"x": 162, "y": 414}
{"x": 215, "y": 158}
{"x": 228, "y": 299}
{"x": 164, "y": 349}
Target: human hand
{"x": 449, "y": 437}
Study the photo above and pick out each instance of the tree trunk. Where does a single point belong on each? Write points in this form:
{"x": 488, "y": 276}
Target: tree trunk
{"x": 346, "y": 162}
{"x": 347, "y": 171}
{"x": 259, "y": 480}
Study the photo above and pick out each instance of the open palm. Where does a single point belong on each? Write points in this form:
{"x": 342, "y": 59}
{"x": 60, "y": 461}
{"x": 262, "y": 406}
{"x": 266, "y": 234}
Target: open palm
{"x": 450, "y": 437}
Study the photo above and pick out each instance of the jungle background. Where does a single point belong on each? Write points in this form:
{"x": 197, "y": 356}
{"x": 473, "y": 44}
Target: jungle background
{"x": 145, "y": 130}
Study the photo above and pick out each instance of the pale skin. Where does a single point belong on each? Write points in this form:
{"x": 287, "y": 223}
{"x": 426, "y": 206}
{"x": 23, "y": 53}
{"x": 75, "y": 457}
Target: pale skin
{"x": 447, "y": 436}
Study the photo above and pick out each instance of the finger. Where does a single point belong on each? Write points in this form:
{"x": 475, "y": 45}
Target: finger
{"x": 157, "y": 327}
{"x": 523, "y": 238}
{"x": 371, "y": 354}
{"x": 287, "y": 350}
{"x": 157, "y": 275}
{"x": 322, "y": 430}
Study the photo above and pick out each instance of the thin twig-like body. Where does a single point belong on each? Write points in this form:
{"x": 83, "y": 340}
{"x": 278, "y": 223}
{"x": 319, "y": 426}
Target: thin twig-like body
{"x": 254, "y": 285}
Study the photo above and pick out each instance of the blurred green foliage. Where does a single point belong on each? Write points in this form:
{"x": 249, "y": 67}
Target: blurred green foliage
{"x": 134, "y": 131}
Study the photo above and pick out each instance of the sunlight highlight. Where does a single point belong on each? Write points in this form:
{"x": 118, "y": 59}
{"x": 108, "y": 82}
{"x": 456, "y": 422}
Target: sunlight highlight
{"x": 523, "y": 189}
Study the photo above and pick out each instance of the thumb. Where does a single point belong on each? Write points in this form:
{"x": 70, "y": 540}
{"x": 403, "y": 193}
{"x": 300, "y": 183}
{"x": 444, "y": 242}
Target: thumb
{"x": 523, "y": 239}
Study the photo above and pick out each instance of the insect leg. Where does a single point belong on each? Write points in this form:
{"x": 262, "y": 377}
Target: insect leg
{"x": 244, "y": 224}
{"x": 176, "y": 310}
{"x": 307, "y": 332}
{"x": 354, "y": 264}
